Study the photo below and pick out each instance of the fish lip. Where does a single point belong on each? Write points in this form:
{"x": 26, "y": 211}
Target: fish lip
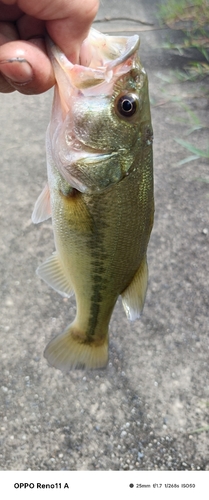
{"x": 98, "y": 157}
{"x": 82, "y": 161}
{"x": 95, "y": 156}
{"x": 131, "y": 45}
{"x": 78, "y": 146}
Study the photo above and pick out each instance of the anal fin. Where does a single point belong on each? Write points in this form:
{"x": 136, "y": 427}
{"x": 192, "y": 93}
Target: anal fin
{"x": 42, "y": 208}
{"x": 51, "y": 271}
{"x": 133, "y": 296}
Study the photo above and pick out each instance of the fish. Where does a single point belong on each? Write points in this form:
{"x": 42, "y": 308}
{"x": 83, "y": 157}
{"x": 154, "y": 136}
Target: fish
{"x": 99, "y": 192}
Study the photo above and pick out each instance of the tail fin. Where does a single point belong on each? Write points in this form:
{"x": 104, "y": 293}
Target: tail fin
{"x": 68, "y": 351}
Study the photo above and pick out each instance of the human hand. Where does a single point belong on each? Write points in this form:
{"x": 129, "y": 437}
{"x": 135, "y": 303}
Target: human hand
{"x": 24, "y": 64}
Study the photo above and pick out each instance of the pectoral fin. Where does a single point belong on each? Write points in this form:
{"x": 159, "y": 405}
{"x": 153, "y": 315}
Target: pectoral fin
{"x": 53, "y": 274}
{"x": 42, "y": 208}
{"x": 133, "y": 296}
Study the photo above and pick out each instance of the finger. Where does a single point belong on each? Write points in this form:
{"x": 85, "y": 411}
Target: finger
{"x": 67, "y": 22}
{"x": 8, "y": 32}
{"x": 10, "y": 2}
{"x": 70, "y": 32}
{"x": 9, "y": 12}
{"x": 5, "y": 87}
{"x": 29, "y": 27}
{"x": 26, "y": 67}
{"x": 24, "y": 28}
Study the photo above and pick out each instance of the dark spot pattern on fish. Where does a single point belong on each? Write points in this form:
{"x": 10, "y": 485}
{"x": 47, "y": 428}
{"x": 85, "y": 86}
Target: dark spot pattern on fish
{"x": 98, "y": 290}
{"x": 99, "y": 307}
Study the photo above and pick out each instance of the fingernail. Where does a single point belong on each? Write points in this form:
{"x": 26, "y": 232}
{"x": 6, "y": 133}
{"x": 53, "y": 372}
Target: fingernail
{"x": 17, "y": 70}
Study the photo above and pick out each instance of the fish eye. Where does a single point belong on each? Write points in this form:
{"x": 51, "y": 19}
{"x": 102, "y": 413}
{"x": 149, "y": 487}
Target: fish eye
{"x": 127, "y": 105}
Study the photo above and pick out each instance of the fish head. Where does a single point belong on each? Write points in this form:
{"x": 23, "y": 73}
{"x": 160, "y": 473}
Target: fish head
{"x": 100, "y": 109}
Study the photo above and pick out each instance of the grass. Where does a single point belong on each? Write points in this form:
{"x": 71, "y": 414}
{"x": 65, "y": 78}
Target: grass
{"x": 193, "y": 11}
{"x": 197, "y": 153}
{"x": 200, "y": 429}
{"x": 192, "y": 18}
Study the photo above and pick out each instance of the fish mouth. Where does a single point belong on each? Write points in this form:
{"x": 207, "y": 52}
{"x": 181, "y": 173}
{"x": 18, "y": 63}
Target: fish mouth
{"x": 83, "y": 172}
{"x": 79, "y": 150}
{"x": 98, "y": 157}
{"x": 101, "y": 56}
{"x": 88, "y": 155}
{"x": 88, "y": 169}
{"x": 116, "y": 49}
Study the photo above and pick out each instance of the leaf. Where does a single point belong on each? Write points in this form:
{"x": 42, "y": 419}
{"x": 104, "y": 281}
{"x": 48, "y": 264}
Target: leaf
{"x": 186, "y": 160}
{"x": 191, "y": 114}
{"x": 204, "y": 52}
{"x": 164, "y": 78}
{"x": 199, "y": 152}
{"x": 200, "y": 429}
{"x": 193, "y": 129}
{"x": 202, "y": 179}
{"x": 182, "y": 76}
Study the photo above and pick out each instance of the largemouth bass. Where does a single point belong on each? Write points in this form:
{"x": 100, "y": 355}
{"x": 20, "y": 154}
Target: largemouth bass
{"x": 99, "y": 192}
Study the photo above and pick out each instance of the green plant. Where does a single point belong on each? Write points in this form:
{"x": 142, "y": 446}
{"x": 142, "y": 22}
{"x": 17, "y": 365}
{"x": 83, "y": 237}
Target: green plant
{"x": 197, "y": 153}
{"x": 192, "y": 18}
{"x": 200, "y": 429}
{"x": 188, "y": 14}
